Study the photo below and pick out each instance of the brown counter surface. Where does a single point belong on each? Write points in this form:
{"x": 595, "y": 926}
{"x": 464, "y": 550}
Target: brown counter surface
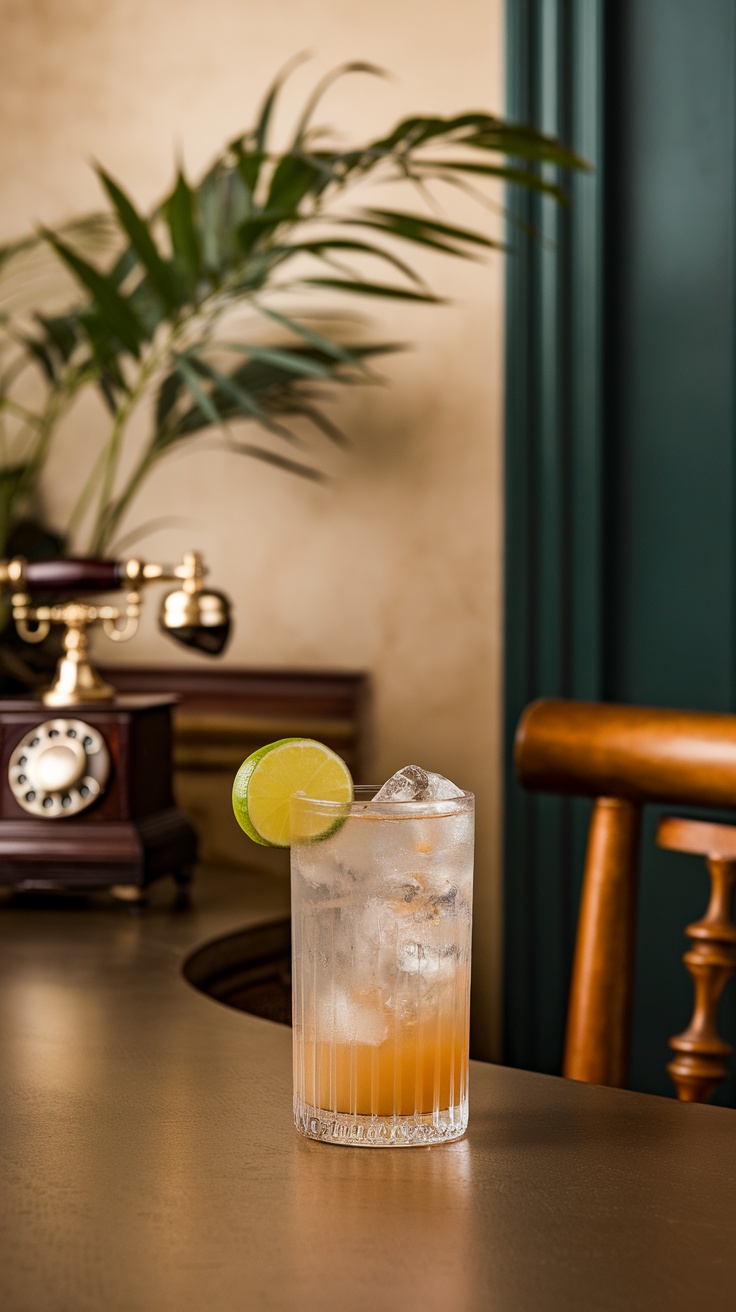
{"x": 148, "y": 1161}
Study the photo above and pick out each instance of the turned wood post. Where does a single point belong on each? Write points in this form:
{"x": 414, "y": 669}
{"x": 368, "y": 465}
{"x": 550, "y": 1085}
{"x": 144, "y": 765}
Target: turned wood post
{"x": 701, "y": 1058}
{"x": 601, "y": 989}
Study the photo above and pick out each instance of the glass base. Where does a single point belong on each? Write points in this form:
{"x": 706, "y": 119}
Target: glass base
{"x": 380, "y": 1131}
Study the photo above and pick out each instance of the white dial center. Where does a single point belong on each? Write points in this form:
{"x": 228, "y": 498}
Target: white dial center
{"x": 60, "y": 766}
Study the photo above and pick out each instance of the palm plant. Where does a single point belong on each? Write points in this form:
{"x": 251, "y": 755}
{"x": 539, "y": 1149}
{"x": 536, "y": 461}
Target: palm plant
{"x": 142, "y": 307}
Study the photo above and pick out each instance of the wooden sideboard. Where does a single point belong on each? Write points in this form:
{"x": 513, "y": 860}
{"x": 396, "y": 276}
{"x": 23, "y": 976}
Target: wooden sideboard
{"x": 224, "y": 714}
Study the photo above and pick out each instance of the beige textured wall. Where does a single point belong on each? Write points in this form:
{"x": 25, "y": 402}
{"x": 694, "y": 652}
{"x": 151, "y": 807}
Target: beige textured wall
{"x": 394, "y": 567}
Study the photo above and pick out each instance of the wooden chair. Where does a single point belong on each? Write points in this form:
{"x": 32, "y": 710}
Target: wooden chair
{"x": 625, "y": 757}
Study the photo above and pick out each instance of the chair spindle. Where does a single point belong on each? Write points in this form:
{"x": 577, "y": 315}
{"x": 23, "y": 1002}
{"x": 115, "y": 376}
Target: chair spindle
{"x": 701, "y": 1056}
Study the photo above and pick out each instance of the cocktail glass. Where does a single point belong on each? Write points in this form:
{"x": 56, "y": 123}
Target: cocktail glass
{"x": 381, "y": 925}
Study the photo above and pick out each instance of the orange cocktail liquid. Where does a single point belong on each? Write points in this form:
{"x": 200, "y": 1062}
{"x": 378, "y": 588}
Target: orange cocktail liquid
{"x": 420, "y": 1069}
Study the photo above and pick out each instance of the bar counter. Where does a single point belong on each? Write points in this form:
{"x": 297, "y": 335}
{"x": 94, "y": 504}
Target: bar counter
{"x": 149, "y": 1163}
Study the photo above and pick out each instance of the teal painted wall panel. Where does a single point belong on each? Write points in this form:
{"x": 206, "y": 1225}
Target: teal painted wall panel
{"x": 670, "y": 294}
{"x": 670, "y": 505}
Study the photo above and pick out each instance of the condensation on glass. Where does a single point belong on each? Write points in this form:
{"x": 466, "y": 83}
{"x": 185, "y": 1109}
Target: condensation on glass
{"x": 381, "y": 925}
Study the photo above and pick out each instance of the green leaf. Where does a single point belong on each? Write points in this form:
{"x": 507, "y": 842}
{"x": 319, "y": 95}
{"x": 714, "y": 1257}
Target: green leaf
{"x": 249, "y": 164}
{"x": 107, "y": 389}
{"x": 281, "y": 462}
{"x": 412, "y": 227}
{"x": 62, "y": 330}
{"x": 523, "y": 177}
{"x": 294, "y": 178}
{"x": 355, "y": 66}
{"x": 203, "y": 399}
{"x": 224, "y": 204}
{"x": 257, "y": 226}
{"x": 262, "y": 376}
{"x": 417, "y": 130}
{"x": 159, "y": 271}
{"x": 235, "y": 208}
{"x": 9, "y": 251}
{"x": 92, "y": 232}
{"x": 267, "y": 369}
{"x": 264, "y": 118}
{"x": 168, "y": 395}
{"x": 228, "y": 386}
{"x": 293, "y": 361}
{"x": 179, "y": 213}
{"x": 208, "y": 203}
{"x": 112, "y": 308}
{"x": 427, "y": 240}
{"x": 323, "y": 344}
{"x": 147, "y": 306}
{"x": 104, "y": 348}
{"x": 317, "y": 418}
{"x": 477, "y": 131}
{"x": 42, "y": 356}
{"x": 126, "y": 262}
{"x": 374, "y": 289}
{"x": 323, "y": 246}
{"x": 517, "y": 140}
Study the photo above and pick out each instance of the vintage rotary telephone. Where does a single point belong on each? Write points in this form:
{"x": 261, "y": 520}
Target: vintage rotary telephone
{"x": 85, "y": 791}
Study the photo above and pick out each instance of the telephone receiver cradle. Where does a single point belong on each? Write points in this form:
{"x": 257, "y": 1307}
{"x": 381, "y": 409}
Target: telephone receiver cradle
{"x": 194, "y": 615}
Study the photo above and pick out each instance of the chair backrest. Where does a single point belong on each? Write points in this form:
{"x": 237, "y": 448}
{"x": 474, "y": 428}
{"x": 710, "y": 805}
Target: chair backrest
{"x": 624, "y": 757}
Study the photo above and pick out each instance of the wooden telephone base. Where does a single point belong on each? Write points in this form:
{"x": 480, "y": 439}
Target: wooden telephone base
{"x": 103, "y": 813}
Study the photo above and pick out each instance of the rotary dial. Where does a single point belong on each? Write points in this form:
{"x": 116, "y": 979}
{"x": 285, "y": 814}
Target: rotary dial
{"x": 59, "y": 768}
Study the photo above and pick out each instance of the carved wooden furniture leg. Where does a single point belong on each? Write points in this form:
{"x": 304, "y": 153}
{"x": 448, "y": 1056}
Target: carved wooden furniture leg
{"x": 701, "y": 1059}
{"x": 599, "y": 1013}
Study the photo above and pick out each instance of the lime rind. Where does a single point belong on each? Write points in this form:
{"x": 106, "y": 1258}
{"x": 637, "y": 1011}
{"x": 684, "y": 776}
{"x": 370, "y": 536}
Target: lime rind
{"x": 240, "y": 790}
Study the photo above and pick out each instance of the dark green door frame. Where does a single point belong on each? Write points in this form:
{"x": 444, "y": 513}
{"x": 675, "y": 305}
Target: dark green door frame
{"x": 554, "y": 500}
{"x": 657, "y": 543}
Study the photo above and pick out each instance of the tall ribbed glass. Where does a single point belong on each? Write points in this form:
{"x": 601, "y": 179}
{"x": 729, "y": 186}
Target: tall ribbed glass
{"x": 381, "y": 922}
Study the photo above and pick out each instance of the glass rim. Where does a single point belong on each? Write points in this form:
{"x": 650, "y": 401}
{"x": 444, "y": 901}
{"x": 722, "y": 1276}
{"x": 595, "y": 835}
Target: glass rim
{"x": 363, "y": 804}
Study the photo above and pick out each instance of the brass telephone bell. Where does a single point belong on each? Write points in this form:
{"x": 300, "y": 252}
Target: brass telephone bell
{"x": 198, "y": 619}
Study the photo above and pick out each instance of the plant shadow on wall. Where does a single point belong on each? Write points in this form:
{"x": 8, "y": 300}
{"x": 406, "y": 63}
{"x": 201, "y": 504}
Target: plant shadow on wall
{"x": 193, "y": 312}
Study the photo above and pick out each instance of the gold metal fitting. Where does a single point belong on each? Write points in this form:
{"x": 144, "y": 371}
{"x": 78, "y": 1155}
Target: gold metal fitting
{"x": 195, "y": 616}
